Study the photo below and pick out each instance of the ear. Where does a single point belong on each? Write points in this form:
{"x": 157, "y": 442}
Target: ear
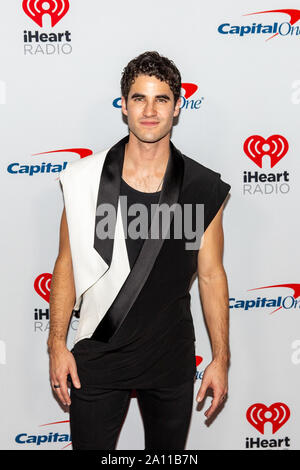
{"x": 123, "y": 104}
{"x": 177, "y": 107}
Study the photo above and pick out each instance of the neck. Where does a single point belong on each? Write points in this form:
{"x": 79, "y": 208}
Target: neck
{"x": 144, "y": 159}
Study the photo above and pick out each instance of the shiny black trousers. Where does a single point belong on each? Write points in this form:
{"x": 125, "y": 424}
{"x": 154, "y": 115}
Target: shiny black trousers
{"x": 96, "y": 416}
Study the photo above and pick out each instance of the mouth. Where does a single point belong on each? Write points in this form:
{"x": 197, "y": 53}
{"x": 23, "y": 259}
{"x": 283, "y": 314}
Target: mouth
{"x": 149, "y": 123}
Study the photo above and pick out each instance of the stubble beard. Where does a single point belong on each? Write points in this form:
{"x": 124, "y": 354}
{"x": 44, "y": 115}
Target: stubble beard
{"x": 149, "y": 139}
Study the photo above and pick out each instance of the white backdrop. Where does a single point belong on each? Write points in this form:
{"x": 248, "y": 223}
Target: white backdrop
{"x": 57, "y": 96}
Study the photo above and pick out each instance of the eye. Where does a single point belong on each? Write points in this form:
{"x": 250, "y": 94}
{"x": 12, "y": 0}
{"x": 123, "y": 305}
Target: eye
{"x": 162, "y": 100}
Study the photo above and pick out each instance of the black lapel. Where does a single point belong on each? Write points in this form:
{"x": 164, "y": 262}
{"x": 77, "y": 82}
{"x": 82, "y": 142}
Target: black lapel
{"x": 109, "y": 191}
{"x": 139, "y": 273}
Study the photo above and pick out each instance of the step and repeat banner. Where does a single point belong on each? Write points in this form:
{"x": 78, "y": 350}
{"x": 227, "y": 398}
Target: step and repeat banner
{"x": 61, "y": 64}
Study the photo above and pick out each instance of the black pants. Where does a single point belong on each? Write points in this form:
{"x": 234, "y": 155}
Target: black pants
{"x": 96, "y": 416}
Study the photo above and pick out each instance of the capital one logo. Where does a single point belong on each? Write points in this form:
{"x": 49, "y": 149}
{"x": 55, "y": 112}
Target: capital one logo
{"x": 285, "y": 28}
{"x": 36, "y": 9}
{"x": 40, "y": 439}
{"x": 259, "y": 414}
{"x": 199, "y": 359}
{"x": 275, "y": 147}
{"x": 186, "y": 101}
{"x": 292, "y": 13}
{"x": 17, "y": 168}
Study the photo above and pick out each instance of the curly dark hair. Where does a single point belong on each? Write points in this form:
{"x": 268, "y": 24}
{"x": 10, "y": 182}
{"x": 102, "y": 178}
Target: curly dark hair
{"x": 151, "y": 63}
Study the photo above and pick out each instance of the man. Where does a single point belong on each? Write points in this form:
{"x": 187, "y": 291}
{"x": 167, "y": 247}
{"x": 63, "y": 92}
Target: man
{"x": 135, "y": 329}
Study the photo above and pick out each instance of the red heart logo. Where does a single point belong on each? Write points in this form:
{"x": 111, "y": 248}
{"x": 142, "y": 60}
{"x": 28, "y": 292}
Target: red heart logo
{"x": 199, "y": 359}
{"x": 42, "y": 285}
{"x": 189, "y": 88}
{"x": 36, "y": 9}
{"x": 256, "y": 147}
{"x": 277, "y": 414}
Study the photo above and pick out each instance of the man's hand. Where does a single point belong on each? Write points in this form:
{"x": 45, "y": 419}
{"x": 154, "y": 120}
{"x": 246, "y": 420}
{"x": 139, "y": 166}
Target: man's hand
{"x": 62, "y": 363}
{"x": 216, "y": 378}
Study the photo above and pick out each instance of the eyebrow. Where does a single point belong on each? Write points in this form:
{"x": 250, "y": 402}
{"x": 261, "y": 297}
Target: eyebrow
{"x": 140, "y": 95}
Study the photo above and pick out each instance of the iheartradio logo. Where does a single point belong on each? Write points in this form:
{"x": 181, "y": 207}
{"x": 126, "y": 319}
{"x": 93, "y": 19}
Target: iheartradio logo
{"x": 42, "y": 286}
{"x": 36, "y": 9}
{"x": 259, "y": 414}
{"x": 46, "y": 14}
{"x": 271, "y": 151}
{"x": 275, "y": 147}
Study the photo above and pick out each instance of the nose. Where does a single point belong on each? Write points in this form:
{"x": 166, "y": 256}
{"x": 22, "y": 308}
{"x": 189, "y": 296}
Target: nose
{"x": 149, "y": 108}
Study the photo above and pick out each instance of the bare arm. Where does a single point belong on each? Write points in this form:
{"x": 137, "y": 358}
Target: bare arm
{"x": 214, "y": 296}
{"x": 62, "y": 293}
{"x": 62, "y": 299}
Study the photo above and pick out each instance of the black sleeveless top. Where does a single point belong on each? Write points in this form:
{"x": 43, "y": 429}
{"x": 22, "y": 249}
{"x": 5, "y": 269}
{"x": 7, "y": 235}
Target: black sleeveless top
{"x": 155, "y": 345}
{"x": 134, "y": 196}
{"x": 158, "y": 356}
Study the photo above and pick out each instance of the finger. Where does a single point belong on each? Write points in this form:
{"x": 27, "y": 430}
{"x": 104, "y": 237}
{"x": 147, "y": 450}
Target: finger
{"x": 64, "y": 390}
{"x": 57, "y": 391}
{"x": 223, "y": 395}
{"x": 202, "y": 391}
{"x": 223, "y": 398}
{"x": 217, "y": 400}
{"x": 74, "y": 377}
{"x": 212, "y": 408}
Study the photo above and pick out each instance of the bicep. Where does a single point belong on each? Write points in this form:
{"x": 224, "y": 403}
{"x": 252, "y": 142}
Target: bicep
{"x": 210, "y": 255}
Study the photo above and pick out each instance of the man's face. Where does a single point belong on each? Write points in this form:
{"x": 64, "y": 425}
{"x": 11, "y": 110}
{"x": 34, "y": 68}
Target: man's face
{"x": 150, "y": 108}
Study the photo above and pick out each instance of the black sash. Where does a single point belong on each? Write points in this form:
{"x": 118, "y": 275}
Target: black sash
{"x": 109, "y": 190}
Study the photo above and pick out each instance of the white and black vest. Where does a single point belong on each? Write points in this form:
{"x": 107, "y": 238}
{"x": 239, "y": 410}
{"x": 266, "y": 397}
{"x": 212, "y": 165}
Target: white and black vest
{"x": 106, "y": 288}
